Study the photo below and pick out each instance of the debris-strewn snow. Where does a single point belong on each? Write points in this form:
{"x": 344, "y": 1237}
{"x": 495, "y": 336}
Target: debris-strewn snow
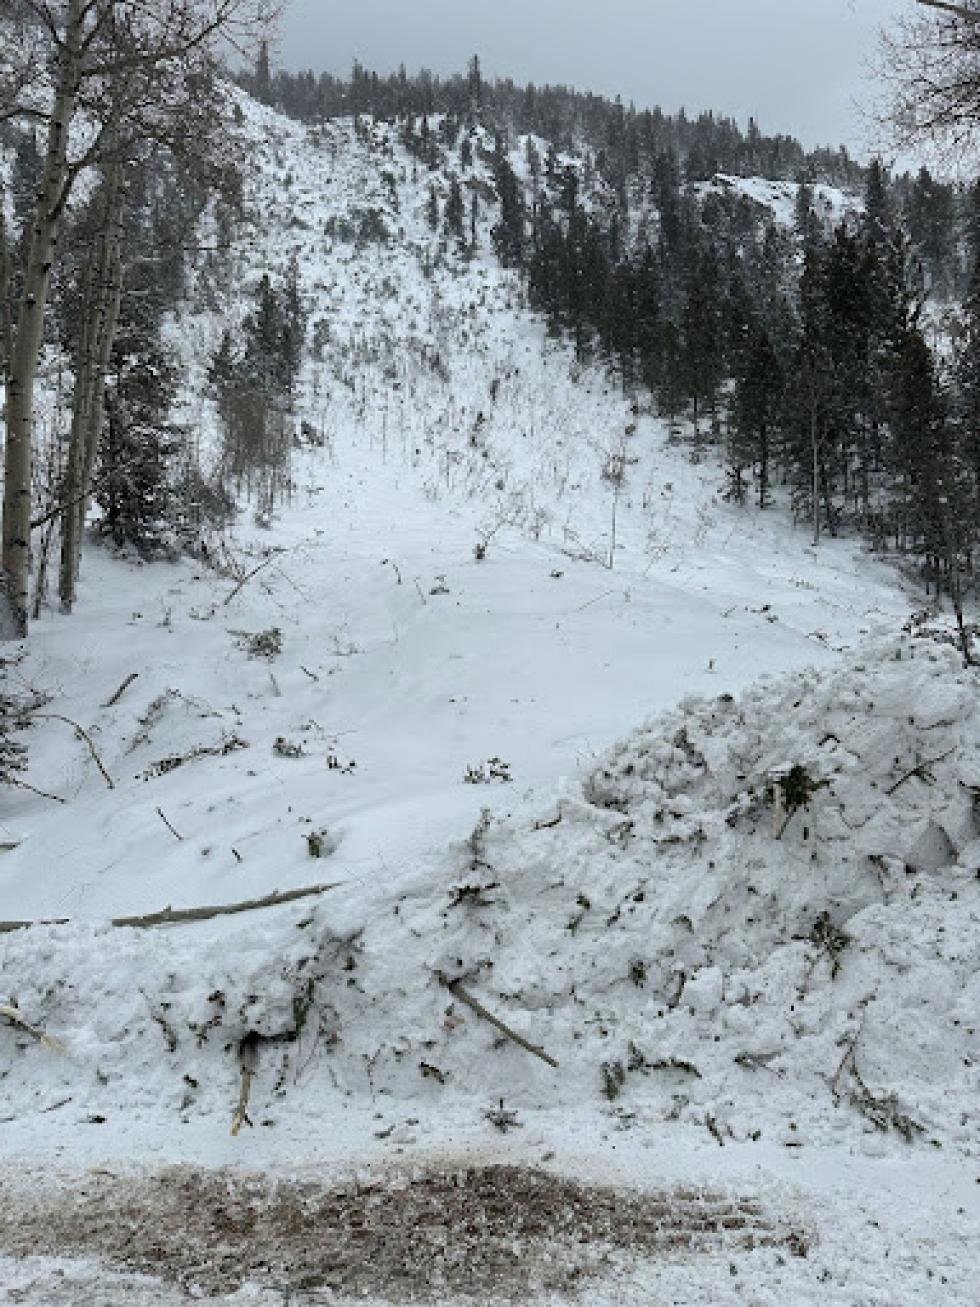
{"x": 773, "y": 1004}
{"x": 682, "y": 943}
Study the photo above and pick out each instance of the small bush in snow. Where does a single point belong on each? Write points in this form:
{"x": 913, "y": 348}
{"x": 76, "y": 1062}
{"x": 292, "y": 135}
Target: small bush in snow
{"x": 262, "y": 644}
{"x": 494, "y": 769}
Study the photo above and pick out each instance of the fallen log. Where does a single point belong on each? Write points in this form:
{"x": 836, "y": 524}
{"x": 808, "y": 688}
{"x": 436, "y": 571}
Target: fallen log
{"x": 182, "y": 916}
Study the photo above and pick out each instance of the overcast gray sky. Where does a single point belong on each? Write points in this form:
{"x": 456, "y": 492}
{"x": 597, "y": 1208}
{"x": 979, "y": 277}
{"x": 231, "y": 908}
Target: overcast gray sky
{"x": 796, "y": 65}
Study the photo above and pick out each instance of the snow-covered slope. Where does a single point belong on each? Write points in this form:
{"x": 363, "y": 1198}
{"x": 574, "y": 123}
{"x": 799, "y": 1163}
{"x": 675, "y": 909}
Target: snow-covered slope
{"x": 830, "y": 203}
{"x": 433, "y": 734}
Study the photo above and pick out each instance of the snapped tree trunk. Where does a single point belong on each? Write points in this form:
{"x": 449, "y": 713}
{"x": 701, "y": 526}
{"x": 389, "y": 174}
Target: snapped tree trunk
{"x": 28, "y": 335}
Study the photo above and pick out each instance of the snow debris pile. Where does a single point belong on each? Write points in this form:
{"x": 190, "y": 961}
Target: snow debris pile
{"x": 765, "y": 903}
{"x": 757, "y": 915}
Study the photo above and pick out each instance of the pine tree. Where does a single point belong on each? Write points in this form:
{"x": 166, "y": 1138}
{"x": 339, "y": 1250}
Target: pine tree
{"x": 508, "y": 233}
{"x": 474, "y": 84}
{"x": 701, "y": 340}
{"x": 665, "y": 372}
{"x": 966, "y": 375}
{"x": 877, "y": 209}
{"x": 263, "y": 75}
{"x": 455, "y": 212}
{"x": 932, "y": 494}
{"x": 135, "y": 487}
{"x": 294, "y": 319}
{"x": 929, "y": 218}
{"x": 263, "y": 338}
{"x": 14, "y": 718}
{"x": 756, "y": 407}
{"x": 804, "y": 217}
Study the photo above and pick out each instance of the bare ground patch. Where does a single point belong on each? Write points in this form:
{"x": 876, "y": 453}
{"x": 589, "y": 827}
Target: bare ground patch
{"x": 488, "y": 1233}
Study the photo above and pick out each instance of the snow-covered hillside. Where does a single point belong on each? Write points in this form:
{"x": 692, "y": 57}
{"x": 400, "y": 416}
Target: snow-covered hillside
{"x": 746, "y": 934}
{"x": 781, "y": 198}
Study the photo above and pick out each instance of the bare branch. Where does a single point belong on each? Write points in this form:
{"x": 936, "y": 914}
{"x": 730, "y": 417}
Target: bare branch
{"x": 931, "y": 66}
{"x": 961, "y": 11}
{"x": 82, "y": 735}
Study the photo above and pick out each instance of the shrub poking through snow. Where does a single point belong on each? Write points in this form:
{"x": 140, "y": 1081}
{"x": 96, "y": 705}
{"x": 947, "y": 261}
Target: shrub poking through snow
{"x": 486, "y": 773}
{"x": 261, "y": 644}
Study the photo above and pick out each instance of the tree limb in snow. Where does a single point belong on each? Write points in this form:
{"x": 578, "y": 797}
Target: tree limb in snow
{"x": 184, "y": 916}
{"x": 114, "y": 699}
{"x": 16, "y": 1018}
{"x": 456, "y": 989}
{"x": 82, "y": 735}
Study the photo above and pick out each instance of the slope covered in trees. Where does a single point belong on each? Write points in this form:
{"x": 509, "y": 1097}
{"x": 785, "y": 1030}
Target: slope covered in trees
{"x": 831, "y": 355}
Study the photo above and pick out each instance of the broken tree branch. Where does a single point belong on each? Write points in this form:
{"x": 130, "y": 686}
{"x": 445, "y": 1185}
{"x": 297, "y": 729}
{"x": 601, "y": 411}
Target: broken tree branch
{"x": 266, "y": 562}
{"x": 32, "y": 789}
{"x": 171, "y": 917}
{"x": 921, "y": 770}
{"x": 82, "y": 735}
{"x": 241, "y": 1111}
{"x": 182, "y": 916}
{"x": 111, "y": 702}
{"x": 457, "y": 990}
{"x": 16, "y": 1018}
{"x": 248, "y": 1061}
{"x": 163, "y": 817}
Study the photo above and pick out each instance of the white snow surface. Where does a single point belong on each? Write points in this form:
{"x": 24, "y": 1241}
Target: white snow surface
{"x": 781, "y": 1003}
{"x": 830, "y": 203}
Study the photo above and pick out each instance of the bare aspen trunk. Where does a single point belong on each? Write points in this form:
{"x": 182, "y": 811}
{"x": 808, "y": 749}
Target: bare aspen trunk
{"x": 102, "y": 302}
{"x": 815, "y": 442}
{"x": 6, "y": 320}
{"x": 110, "y": 321}
{"x": 28, "y": 335}
{"x": 71, "y": 487}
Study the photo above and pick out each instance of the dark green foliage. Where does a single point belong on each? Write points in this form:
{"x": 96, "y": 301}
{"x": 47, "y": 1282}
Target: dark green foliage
{"x": 757, "y": 406}
{"x": 15, "y": 718}
{"x": 273, "y": 341}
{"x": 455, "y": 214}
{"x": 135, "y": 487}
{"x": 509, "y": 232}
{"x": 796, "y": 787}
{"x": 253, "y": 381}
{"x": 929, "y": 212}
{"x": 13, "y": 753}
{"x": 262, "y": 84}
{"x": 877, "y": 209}
{"x": 702, "y": 348}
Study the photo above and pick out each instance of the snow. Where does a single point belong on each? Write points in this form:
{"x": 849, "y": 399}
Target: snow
{"x": 741, "y": 996}
{"x": 831, "y": 204}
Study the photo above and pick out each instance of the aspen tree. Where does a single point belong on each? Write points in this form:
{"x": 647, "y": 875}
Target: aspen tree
{"x": 119, "y": 74}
